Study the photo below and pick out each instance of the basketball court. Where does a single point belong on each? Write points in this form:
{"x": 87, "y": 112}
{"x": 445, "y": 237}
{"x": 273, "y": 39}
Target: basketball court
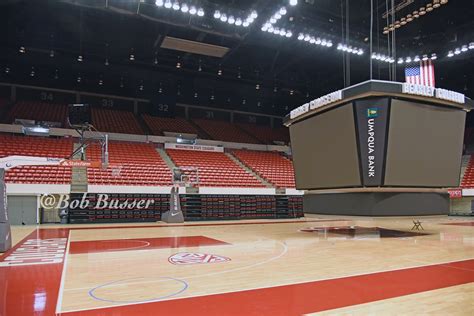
{"x": 241, "y": 158}
{"x": 318, "y": 264}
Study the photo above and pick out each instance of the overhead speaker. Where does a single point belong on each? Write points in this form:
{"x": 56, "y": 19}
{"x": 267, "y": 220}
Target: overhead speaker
{"x": 79, "y": 115}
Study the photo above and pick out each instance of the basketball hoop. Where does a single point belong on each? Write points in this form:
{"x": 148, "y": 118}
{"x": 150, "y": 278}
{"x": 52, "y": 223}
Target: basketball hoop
{"x": 185, "y": 176}
{"x": 116, "y": 170}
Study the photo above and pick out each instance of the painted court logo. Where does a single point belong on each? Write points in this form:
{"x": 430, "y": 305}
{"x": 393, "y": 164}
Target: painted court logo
{"x": 186, "y": 258}
{"x": 372, "y": 113}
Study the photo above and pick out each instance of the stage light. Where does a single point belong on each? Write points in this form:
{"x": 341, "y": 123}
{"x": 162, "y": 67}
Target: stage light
{"x": 79, "y": 58}
{"x": 219, "y": 72}
{"x": 159, "y": 3}
{"x": 245, "y": 24}
{"x": 231, "y": 20}
{"x": 403, "y": 21}
{"x": 464, "y": 48}
{"x": 192, "y": 10}
{"x": 141, "y": 87}
{"x": 176, "y": 6}
{"x": 223, "y": 18}
{"x": 121, "y": 83}
{"x": 106, "y": 62}
{"x": 300, "y": 37}
{"x": 422, "y": 11}
{"x": 273, "y": 20}
{"x": 277, "y": 16}
{"x": 450, "y": 53}
{"x": 283, "y": 11}
{"x": 51, "y": 54}
{"x": 360, "y": 52}
{"x": 7, "y": 70}
{"x": 471, "y": 45}
{"x": 200, "y": 12}
{"x": 385, "y": 30}
{"x": 131, "y": 57}
{"x": 253, "y": 15}
{"x": 293, "y": 2}
{"x": 32, "y": 73}
{"x": 22, "y": 49}
{"x": 374, "y": 56}
{"x": 323, "y": 42}
{"x": 318, "y": 41}
{"x": 168, "y": 4}
{"x": 238, "y": 22}
{"x": 409, "y": 18}
{"x": 195, "y": 95}
{"x": 184, "y": 8}
{"x": 434, "y": 56}
{"x": 292, "y": 92}
{"x": 416, "y": 14}
{"x": 289, "y": 34}
{"x": 307, "y": 38}
{"x": 400, "y": 61}
{"x": 312, "y": 40}
{"x": 425, "y": 57}
{"x": 444, "y": 1}
{"x": 257, "y": 87}
{"x": 329, "y": 44}
{"x": 436, "y": 4}
{"x": 155, "y": 61}
{"x": 270, "y": 29}
{"x": 457, "y": 51}
{"x": 429, "y": 7}
{"x": 217, "y": 14}
{"x": 101, "y": 82}
{"x": 178, "y": 65}
{"x": 282, "y": 32}
{"x": 79, "y": 79}
{"x": 397, "y": 24}
{"x": 416, "y": 59}
{"x": 408, "y": 60}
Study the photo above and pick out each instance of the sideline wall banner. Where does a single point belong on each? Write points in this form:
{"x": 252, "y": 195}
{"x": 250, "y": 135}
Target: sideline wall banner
{"x": 372, "y": 119}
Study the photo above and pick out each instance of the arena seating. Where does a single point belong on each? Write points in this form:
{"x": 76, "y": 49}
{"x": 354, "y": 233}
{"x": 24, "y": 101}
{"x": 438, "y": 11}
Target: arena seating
{"x": 468, "y": 179}
{"x": 266, "y": 134}
{"x": 131, "y": 164}
{"x": 158, "y": 125}
{"x": 39, "y": 147}
{"x": 271, "y": 166}
{"x": 38, "y": 111}
{"x": 215, "y": 169}
{"x": 115, "y": 121}
{"x": 225, "y": 131}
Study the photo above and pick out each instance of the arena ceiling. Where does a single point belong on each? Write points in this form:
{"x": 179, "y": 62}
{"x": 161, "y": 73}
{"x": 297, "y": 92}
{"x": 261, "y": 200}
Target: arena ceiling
{"x": 238, "y": 67}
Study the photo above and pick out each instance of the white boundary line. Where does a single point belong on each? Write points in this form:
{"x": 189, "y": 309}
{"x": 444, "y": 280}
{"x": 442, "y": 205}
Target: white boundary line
{"x": 63, "y": 276}
{"x": 277, "y": 285}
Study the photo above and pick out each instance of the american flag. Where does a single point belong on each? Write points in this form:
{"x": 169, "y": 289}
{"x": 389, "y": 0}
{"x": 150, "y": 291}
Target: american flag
{"x": 422, "y": 74}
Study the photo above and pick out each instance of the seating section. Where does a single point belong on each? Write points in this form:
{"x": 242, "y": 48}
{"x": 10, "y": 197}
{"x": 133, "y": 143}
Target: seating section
{"x": 271, "y": 166}
{"x": 130, "y": 164}
{"x": 266, "y": 134}
{"x": 225, "y": 131}
{"x": 215, "y": 169}
{"x": 38, "y": 147}
{"x": 468, "y": 178}
{"x": 115, "y": 121}
{"x": 38, "y": 111}
{"x": 158, "y": 125}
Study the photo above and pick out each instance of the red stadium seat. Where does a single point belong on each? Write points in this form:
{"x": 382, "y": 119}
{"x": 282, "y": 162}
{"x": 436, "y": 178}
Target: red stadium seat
{"x": 271, "y": 166}
{"x": 215, "y": 169}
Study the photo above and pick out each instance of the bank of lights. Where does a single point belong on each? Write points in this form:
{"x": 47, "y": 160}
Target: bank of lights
{"x": 350, "y": 49}
{"x": 230, "y": 19}
{"x": 275, "y": 17}
{"x": 277, "y": 31}
{"x": 463, "y": 49}
{"x": 383, "y": 58}
{"x": 176, "y": 6}
{"x": 314, "y": 40}
{"x": 416, "y": 59}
